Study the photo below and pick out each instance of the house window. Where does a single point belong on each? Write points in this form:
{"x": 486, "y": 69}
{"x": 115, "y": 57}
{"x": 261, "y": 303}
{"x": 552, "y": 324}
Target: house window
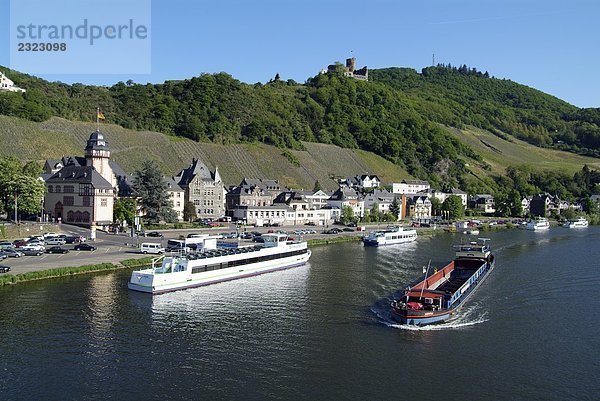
{"x": 58, "y": 188}
{"x": 50, "y": 188}
{"x": 68, "y": 201}
{"x": 87, "y": 201}
{"x": 103, "y": 202}
{"x": 85, "y": 189}
{"x": 69, "y": 189}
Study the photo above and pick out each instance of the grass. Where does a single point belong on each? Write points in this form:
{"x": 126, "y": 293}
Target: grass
{"x": 500, "y": 153}
{"x": 298, "y": 169}
{"x": 57, "y": 137}
{"x": 9, "y": 279}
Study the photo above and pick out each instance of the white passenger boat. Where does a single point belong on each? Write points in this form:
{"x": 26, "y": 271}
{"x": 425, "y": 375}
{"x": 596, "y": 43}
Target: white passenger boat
{"x": 540, "y": 223}
{"x": 391, "y": 236}
{"x": 581, "y": 222}
{"x": 213, "y": 265}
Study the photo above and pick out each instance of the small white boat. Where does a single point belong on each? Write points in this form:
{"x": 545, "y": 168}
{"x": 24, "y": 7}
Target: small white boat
{"x": 471, "y": 232}
{"x": 391, "y": 236}
{"x": 540, "y": 223}
{"x": 581, "y": 222}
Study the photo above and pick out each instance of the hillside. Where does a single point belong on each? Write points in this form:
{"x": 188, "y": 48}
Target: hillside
{"x": 57, "y": 137}
{"x": 454, "y": 126}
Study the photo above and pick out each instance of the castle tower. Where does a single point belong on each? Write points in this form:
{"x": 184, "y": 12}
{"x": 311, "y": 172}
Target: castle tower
{"x": 351, "y": 64}
{"x": 97, "y": 155}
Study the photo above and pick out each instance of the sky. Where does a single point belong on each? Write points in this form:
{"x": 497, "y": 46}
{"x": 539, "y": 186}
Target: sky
{"x": 549, "y": 45}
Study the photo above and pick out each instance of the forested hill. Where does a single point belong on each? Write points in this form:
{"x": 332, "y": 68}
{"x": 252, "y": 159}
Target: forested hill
{"x": 457, "y": 96}
{"x": 397, "y": 115}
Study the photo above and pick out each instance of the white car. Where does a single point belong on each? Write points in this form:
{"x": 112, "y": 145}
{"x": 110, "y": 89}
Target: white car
{"x": 33, "y": 247}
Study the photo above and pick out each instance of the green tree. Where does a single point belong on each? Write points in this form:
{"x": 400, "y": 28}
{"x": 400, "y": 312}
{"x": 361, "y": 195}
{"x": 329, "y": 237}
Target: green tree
{"x": 568, "y": 214}
{"x": 347, "y": 215}
{"x": 124, "y": 210}
{"x": 317, "y": 186}
{"x": 189, "y": 212}
{"x": 436, "y": 206}
{"x": 395, "y": 209}
{"x": 454, "y": 207}
{"x": 20, "y": 185}
{"x": 151, "y": 189}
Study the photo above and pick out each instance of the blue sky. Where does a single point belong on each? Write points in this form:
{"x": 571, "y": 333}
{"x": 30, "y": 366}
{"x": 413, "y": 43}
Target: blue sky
{"x": 549, "y": 45}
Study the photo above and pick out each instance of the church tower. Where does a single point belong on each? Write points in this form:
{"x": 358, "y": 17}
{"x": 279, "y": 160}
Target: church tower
{"x": 97, "y": 155}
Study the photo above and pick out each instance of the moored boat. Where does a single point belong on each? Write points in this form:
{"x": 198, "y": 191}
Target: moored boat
{"x": 540, "y": 223}
{"x": 436, "y": 297}
{"x": 580, "y": 222}
{"x": 391, "y": 236}
{"x": 213, "y": 265}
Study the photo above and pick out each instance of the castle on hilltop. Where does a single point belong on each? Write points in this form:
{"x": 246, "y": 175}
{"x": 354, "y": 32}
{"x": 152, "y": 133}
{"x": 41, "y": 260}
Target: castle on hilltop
{"x": 350, "y": 70}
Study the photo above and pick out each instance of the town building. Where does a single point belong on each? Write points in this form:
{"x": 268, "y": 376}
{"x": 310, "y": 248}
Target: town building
{"x": 410, "y": 187}
{"x": 252, "y": 192}
{"x": 483, "y": 203}
{"x": 383, "y": 199}
{"x": 204, "y": 188}
{"x": 8, "y": 85}
{"x": 364, "y": 181}
{"x": 419, "y": 207}
{"x": 347, "y": 197}
{"x": 81, "y": 191}
{"x": 176, "y": 195}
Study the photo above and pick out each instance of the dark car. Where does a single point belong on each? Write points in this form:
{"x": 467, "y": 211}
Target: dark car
{"x": 57, "y": 249}
{"x": 84, "y": 247}
{"x": 154, "y": 234}
{"x": 4, "y": 269}
{"x": 258, "y": 238}
{"x": 348, "y": 229}
{"x": 70, "y": 239}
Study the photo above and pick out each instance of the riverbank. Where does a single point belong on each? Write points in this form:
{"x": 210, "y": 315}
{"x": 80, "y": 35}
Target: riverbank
{"x": 8, "y": 279}
{"x": 71, "y": 271}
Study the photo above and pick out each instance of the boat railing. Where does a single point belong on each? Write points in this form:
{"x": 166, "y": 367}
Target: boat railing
{"x": 157, "y": 260}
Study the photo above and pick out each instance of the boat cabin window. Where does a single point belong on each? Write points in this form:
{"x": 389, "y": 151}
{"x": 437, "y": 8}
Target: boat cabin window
{"x": 429, "y": 301}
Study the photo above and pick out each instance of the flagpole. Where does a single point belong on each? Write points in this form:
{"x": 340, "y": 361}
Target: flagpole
{"x": 98, "y": 119}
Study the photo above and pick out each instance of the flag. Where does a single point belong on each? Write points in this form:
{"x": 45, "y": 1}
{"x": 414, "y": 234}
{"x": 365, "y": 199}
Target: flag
{"x": 100, "y": 116}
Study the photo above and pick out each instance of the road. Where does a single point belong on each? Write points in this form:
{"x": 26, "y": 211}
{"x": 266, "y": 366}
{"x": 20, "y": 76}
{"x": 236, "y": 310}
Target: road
{"x": 112, "y": 248}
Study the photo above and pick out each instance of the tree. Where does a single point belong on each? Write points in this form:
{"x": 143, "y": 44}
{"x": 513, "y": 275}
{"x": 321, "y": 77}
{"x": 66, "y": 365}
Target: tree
{"x": 124, "y": 210}
{"x": 395, "y": 209}
{"x": 436, "y": 206}
{"x": 151, "y": 189}
{"x": 374, "y": 212}
{"x": 453, "y": 205}
{"x": 189, "y": 212}
{"x": 317, "y": 186}
{"x": 20, "y": 186}
{"x": 347, "y": 214}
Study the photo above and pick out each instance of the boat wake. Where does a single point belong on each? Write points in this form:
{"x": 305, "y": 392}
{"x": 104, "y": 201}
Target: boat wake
{"x": 466, "y": 318}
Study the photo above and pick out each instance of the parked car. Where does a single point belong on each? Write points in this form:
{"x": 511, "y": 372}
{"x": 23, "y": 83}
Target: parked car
{"x": 32, "y": 251}
{"x": 84, "y": 247}
{"x": 4, "y": 269}
{"x": 311, "y": 223}
{"x": 57, "y": 249}
{"x": 12, "y": 253}
{"x": 348, "y": 229}
{"x": 258, "y": 238}
{"x": 19, "y": 243}
{"x": 54, "y": 241}
{"x": 3, "y": 256}
{"x": 154, "y": 234}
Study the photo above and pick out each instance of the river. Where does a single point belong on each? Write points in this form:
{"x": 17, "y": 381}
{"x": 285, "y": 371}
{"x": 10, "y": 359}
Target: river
{"x": 318, "y": 332}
